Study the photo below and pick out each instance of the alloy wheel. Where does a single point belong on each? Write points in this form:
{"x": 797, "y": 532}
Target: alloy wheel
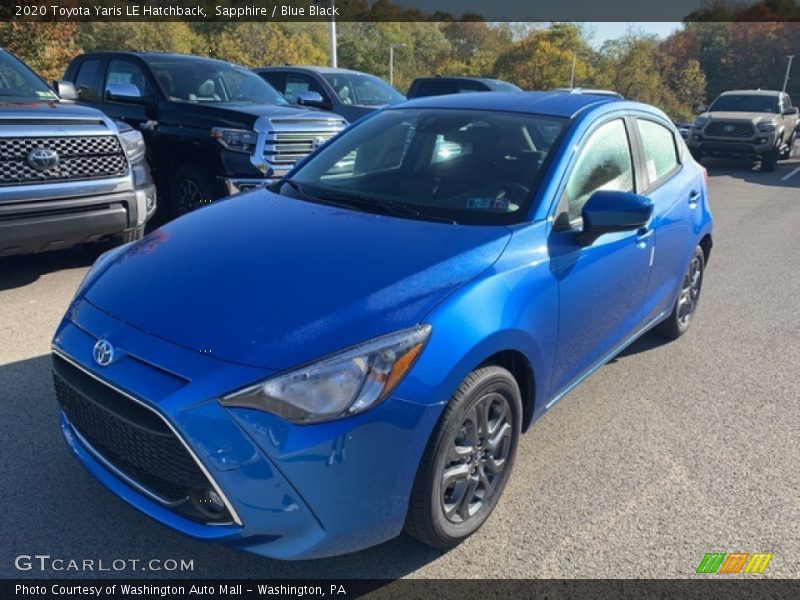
{"x": 477, "y": 458}
{"x": 690, "y": 291}
{"x": 189, "y": 196}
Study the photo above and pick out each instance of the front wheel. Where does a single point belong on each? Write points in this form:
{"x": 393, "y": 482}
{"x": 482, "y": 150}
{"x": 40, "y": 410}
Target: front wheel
{"x": 192, "y": 188}
{"x": 468, "y": 460}
{"x": 769, "y": 160}
{"x": 682, "y": 314}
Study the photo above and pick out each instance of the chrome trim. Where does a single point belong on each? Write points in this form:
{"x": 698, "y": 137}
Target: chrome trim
{"x": 234, "y": 185}
{"x": 131, "y": 482}
{"x": 188, "y": 448}
{"x": 65, "y": 189}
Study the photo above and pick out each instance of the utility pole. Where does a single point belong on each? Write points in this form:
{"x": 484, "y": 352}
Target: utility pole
{"x": 788, "y": 68}
{"x": 391, "y": 61}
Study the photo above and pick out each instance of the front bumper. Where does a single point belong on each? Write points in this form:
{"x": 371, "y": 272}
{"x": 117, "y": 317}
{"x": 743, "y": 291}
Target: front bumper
{"x": 744, "y": 148}
{"x": 37, "y": 226}
{"x": 298, "y": 491}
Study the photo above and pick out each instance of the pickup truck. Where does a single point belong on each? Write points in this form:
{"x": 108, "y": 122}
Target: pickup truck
{"x": 68, "y": 174}
{"x": 754, "y": 124}
{"x": 212, "y": 128}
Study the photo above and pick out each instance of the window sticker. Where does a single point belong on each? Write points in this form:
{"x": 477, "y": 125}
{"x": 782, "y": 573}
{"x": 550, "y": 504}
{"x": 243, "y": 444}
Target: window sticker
{"x": 651, "y": 170}
{"x": 46, "y": 94}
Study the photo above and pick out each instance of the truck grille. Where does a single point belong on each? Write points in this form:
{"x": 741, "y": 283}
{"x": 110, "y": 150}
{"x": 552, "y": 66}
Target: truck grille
{"x": 294, "y": 139}
{"x": 729, "y": 129}
{"x": 133, "y": 439}
{"x": 79, "y": 158}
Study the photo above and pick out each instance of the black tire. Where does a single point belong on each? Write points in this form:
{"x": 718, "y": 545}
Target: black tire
{"x": 192, "y": 188}
{"x": 769, "y": 161}
{"x": 460, "y": 445}
{"x": 685, "y": 307}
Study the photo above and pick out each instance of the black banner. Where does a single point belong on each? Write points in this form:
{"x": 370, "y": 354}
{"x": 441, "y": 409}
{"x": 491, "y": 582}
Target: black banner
{"x": 397, "y": 10}
{"x": 710, "y": 588}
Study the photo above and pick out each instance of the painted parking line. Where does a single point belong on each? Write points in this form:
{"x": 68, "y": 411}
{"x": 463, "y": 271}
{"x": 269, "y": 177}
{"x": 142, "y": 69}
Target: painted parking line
{"x": 791, "y": 174}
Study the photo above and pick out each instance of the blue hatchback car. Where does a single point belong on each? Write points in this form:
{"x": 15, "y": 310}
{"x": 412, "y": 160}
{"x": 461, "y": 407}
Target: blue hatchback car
{"x": 309, "y": 370}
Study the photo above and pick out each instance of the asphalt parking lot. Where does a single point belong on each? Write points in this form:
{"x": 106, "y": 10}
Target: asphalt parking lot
{"x": 666, "y": 453}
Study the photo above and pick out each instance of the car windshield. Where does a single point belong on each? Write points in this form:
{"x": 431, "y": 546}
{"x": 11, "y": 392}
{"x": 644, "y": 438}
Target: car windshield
{"x": 19, "y": 82}
{"x": 360, "y": 89}
{"x": 464, "y": 166}
{"x": 212, "y": 82}
{"x": 746, "y": 103}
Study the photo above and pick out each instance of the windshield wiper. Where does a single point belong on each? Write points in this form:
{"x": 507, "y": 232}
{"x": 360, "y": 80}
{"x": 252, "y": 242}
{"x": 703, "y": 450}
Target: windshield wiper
{"x": 387, "y": 207}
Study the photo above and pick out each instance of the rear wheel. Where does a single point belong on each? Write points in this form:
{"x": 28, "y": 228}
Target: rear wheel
{"x": 468, "y": 460}
{"x": 682, "y": 314}
{"x": 192, "y": 188}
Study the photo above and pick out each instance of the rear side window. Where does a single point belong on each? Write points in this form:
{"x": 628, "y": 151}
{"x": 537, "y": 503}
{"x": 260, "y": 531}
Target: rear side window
{"x": 85, "y": 80}
{"x": 660, "y": 152}
{"x": 604, "y": 163}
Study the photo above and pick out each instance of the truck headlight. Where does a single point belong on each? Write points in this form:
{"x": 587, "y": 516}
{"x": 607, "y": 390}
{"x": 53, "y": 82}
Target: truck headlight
{"x": 133, "y": 143}
{"x": 766, "y": 126}
{"x": 343, "y": 384}
{"x": 239, "y": 140}
{"x": 700, "y": 122}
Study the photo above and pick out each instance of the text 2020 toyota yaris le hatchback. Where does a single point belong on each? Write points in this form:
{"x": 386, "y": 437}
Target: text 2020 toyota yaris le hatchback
{"x": 309, "y": 370}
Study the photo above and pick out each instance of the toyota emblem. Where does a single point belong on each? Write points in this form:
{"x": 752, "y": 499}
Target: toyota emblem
{"x": 728, "y": 128}
{"x": 43, "y": 159}
{"x": 103, "y": 353}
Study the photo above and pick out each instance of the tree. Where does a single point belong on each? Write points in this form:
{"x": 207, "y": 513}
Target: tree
{"x": 47, "y": 47}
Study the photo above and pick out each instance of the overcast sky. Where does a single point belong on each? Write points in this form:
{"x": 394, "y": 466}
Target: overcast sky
{"x": 603, "y": 31}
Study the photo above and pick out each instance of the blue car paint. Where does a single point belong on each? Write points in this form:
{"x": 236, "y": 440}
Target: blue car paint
{"x": 234, "y": 292}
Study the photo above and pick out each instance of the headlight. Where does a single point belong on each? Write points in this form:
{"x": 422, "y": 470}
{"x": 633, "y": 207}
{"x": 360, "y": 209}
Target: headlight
{"x": 133, "y": 143}
{"x": 700, "y": 122}
{"x": 766, "y": 126}
{"x": 343, "y": 384}
{"x": 239, "y": 140}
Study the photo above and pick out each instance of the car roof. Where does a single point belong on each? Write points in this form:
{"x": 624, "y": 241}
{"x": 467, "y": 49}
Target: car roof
{"x": 313, "y": 68}
{"x": 556, "y": 104}
{"x": 148, "y": 55}
{"x": 752, "y": 92}
{"x": 459, "y": 78}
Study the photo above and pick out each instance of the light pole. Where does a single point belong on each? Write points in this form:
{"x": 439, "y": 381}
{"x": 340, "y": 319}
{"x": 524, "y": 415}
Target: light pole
{"x": 574, "y": 63}
{"x": 332, "y": 33}
{"x": 391, "y": 61}
{"x": 788, "y": 68}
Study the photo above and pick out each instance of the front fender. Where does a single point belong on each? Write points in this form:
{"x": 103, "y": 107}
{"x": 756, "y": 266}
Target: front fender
{"x": 512, "y": 306}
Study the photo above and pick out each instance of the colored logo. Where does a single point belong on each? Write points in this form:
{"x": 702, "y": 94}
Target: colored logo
{"x": 43, "y": 159}
{"x": 103, "y": 353}
{"x": 734, "y": 562}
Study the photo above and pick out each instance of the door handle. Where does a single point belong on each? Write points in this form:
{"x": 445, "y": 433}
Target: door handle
{"x": 694, "y": 198}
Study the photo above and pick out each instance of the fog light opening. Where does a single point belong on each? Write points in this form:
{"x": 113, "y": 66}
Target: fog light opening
{"x": 209, "y": 502}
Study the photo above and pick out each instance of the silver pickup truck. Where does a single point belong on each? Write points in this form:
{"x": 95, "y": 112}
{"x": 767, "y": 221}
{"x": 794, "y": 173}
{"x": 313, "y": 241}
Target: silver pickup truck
{"x": 756, "y": 124}
{"x": 68, "y": 173}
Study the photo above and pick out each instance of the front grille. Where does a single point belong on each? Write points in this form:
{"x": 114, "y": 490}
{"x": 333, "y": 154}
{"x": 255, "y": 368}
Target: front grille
{"x": 295, "y": 139}
{"x": 132, "y": 438}
{"x": 80, "y": 158}
{"x": 729, "y": 129}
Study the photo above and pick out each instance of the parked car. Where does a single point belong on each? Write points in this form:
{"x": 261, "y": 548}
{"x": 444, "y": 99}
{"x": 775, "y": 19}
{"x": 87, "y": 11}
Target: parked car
{"x": 377, "y": 330}
{"x": 212, "y": 128}
{"x": 350, "y": 94}
{"x": 753, "y": 124}
{"x": 683, "y": 128}
{"x": 596, "y": 92}
{"x": 68, "y": 174}
{"x": 440, "y": 86}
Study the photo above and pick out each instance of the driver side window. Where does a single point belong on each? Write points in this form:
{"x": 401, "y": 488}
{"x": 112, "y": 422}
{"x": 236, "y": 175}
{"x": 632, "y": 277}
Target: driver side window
{"x": 604, "y": 163}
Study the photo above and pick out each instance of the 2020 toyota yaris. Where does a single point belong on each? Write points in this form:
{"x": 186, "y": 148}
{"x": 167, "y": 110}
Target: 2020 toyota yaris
{"x": 309, "y": 370}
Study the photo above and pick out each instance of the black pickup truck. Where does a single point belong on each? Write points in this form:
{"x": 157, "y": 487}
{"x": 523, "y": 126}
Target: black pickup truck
{"x": 212, "y": 128}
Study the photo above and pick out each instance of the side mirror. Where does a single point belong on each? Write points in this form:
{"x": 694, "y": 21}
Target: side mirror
{"x": 610, "y": 211}
{"x": 125, "y": 92}
{"x": 65, "y": 90}
{"x": 790, "y": 112}
{"x": 312, "y": 99}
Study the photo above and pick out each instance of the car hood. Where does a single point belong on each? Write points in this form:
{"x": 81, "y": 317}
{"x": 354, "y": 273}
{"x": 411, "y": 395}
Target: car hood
{"x": 46, "y": 109}
{"x": 752, "y": 117}
{"x": 269, "y": 281}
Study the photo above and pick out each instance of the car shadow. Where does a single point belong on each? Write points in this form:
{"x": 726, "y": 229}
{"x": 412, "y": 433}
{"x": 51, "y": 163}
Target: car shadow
{"x": 22, "y": 270}
{"x": 54, "y": 506}
{"x": 648, "y": 341}
{"x": 750, "y": 172}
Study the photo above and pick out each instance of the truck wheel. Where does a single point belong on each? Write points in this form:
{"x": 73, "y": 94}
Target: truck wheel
{"x": 769, "y": 160}
{"x": 468, "y": 460}
{"x": 192, "y": 188}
